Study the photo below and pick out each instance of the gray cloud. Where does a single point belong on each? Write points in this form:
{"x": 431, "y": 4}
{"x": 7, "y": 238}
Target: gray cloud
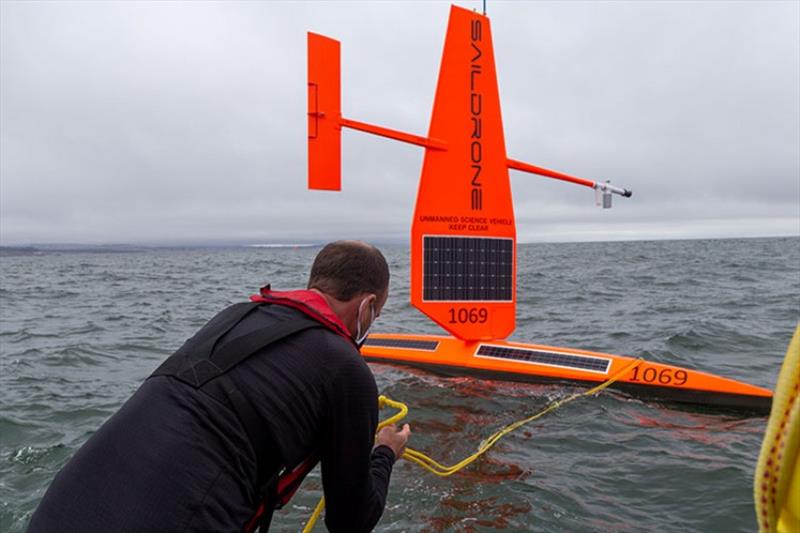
{"x": 169, "y": 122}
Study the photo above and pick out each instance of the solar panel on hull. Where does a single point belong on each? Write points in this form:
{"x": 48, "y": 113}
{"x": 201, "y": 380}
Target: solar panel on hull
{"x": 582, "y": 362}
{"x": 408, "y": 344}
{"x": 467, "y": 269}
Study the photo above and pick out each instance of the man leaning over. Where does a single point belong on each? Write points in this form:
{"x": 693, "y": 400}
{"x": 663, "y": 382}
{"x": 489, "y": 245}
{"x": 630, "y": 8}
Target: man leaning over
{"x": 265, "y": 388}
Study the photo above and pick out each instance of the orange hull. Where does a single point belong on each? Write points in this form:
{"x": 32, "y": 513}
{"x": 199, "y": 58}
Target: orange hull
{"x": 513, "y": 361}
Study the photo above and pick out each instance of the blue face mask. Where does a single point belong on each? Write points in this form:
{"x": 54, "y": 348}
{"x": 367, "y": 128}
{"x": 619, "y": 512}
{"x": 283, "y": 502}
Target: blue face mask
{"x": 362, "y": 336}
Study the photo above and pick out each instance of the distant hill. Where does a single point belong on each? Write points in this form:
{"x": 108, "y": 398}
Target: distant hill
{"x": 18, "y": 250}
{"x": 39, "y": 249}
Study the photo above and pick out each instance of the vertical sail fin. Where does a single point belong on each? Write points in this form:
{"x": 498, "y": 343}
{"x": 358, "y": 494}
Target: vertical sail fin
{"x": 463, "y": 237}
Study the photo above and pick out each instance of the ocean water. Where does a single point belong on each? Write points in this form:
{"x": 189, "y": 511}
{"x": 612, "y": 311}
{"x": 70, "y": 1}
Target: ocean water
{"x": 80, "y": 331}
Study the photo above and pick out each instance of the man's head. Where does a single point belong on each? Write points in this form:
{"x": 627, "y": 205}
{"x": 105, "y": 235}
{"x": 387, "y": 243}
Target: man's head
{"x": 354, "y": 278}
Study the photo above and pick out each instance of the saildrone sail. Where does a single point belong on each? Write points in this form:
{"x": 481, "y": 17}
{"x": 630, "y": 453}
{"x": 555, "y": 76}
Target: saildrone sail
{"x": 463, "y": 236}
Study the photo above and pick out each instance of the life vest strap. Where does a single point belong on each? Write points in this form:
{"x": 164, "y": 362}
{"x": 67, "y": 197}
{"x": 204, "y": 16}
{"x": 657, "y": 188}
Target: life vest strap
{"x": 237, "y": 350}
{"x": 194, "y": 354}
{"x": 208, "y": 361}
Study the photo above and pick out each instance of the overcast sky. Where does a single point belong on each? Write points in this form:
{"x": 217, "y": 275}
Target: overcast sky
{"x": 158, "y": 122}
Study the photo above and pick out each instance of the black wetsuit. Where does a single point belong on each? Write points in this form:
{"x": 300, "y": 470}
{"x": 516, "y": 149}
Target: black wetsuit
{"x": 177, "y": 458}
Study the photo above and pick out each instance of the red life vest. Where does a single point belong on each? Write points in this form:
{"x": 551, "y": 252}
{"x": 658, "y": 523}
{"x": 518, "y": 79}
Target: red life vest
{"x": 309, "y": 302}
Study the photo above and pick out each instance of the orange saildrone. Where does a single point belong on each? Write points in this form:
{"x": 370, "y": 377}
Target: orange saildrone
{"x": 463, "y": 235}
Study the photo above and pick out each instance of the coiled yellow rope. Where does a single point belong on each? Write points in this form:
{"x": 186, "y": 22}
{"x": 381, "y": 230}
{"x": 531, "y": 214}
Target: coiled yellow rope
{"x": 777, "y": 478}
{"x": 439, "y": 469}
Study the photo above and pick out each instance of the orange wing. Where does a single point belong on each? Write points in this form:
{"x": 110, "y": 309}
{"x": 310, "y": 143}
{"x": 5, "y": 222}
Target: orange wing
{"x": 463, "y": 236}
{"x": 324, "y": 114}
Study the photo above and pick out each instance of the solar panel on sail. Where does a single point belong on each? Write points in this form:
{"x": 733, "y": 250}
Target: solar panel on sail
{"x": 467, "y": 268}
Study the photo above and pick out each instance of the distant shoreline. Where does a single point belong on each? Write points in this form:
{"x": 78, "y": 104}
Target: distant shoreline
{"x": 281, "y": 245}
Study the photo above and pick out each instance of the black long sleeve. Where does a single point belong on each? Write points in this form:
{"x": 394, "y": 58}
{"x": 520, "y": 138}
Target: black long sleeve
{"x": 355, "y": 479}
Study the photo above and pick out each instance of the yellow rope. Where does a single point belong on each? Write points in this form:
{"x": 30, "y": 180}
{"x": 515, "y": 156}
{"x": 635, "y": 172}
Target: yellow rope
{"x": 315, "y": 515}
{"x": 439, "y": 469}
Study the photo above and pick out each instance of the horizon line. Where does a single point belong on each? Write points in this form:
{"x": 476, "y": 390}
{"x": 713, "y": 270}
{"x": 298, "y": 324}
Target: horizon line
{"x": 299, "y": 243}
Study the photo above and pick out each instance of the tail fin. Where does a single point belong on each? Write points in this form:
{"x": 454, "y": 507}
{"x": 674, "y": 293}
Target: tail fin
{"x": 324, "y": 114}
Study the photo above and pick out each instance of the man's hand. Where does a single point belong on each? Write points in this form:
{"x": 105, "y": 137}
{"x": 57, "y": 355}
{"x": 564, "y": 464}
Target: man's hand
{"x": 396, "y": 440}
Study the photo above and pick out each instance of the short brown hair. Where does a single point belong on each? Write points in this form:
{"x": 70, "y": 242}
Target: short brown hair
{"x": 345, "y": 269}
